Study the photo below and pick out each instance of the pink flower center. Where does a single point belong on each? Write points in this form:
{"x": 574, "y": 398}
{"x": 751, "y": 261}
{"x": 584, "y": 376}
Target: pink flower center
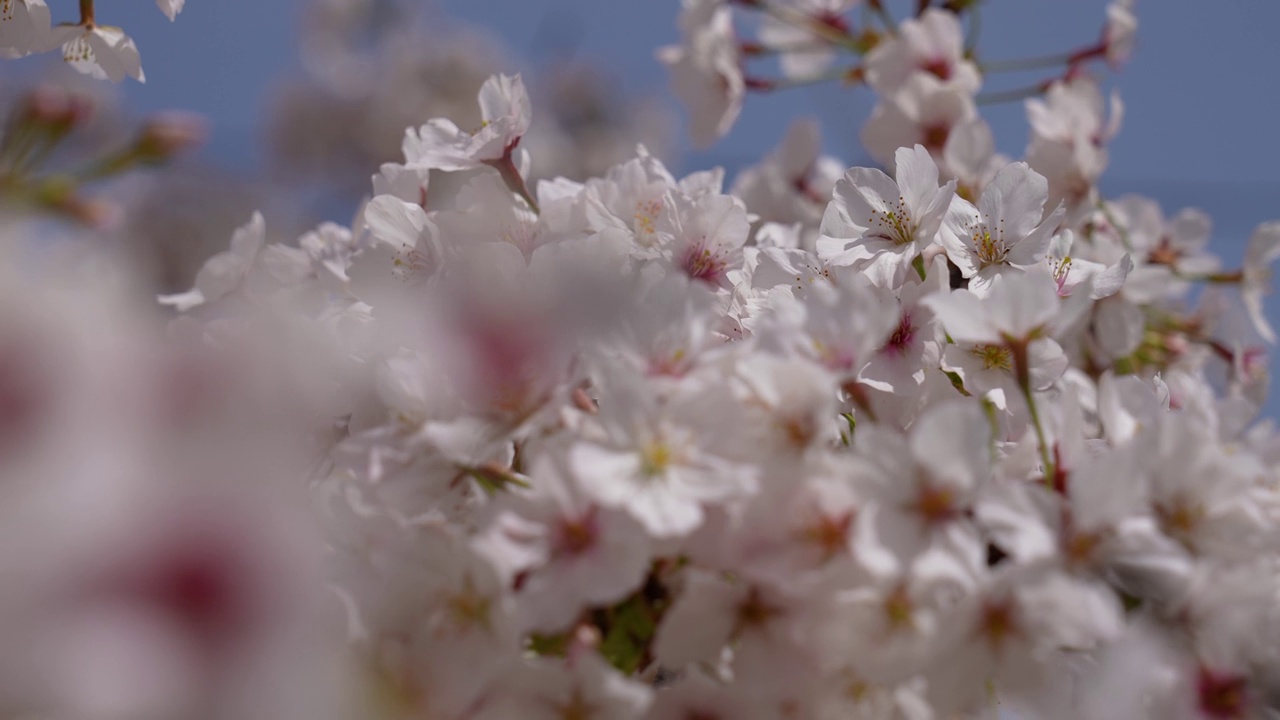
{"x": 701, "y": 263}
{"x": 939, "y": 68}
{"x": 21, "y": 397}
{"x": 577, "y": 535}
{"x": 901, "y": 338}
{"x": 934, "y": 137}
{"x": 998, "y": 623}
{"x": 1222, "y": 696}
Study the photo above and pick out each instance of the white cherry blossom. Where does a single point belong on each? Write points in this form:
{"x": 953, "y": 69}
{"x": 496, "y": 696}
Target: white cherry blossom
{"x": 880, "y": 226}
{"x": 573, "y": 552}
{"x": 225, "y": 272}
{"x": 705, "y": 69}
{"x": 171, "y": 8}
{"x": 24, "y": 27}
{"x": 1007, "y": 230}
{"x": 507, "y": 113}
{"x": 100, "y": 51}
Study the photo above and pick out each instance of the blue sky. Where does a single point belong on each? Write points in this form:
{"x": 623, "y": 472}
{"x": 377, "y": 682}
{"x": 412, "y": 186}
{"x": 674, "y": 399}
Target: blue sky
{"x": 1200, "y": 90}
{"x": 1202, "y": 125}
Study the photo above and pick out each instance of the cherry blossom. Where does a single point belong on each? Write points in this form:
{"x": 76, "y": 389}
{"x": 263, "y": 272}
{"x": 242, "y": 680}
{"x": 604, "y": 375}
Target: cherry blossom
{"x": 706, "y": 74}
{"x": 24, "y": 27}
{"x": 101, "y": 51}
{"x": 1006, "y": 231}
{"x": 881, "y": 226}
{"x": 226, "y": 272}
{"x": 923, "y": 112}
{"x": 962, "y": 437}
{"x": 505, "y": 107}
{"x": 932, "y": 43}
{"x": 171, "y": 8}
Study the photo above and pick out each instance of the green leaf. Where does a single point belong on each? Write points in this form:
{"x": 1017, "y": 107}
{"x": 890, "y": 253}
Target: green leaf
{"x": 548, "y": 645}
{"x": 956, "y": 382}
{"x": 631, "y": 628}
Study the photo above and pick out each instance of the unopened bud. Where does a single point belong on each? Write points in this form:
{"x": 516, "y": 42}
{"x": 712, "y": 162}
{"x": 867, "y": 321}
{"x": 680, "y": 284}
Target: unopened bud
{"x": 45, "y": 104}
{"x": 56, "y": 108}
{"x": 166, "y": 135}
{"x": 96, "y": 214}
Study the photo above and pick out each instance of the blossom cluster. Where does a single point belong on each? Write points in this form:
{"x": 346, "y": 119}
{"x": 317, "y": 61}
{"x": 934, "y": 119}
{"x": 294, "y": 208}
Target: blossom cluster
{"x": 102, "y": 51}
{"x": 960, "y": 438}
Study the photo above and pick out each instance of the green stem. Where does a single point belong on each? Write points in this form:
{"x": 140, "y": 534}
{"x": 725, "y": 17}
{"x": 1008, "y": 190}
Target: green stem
{"x": 35, "y": 159}
{"x": 1023, "y": 371}
{"x": 107, "y": 166}
{"x": 1121, "y": 230}
{"x": 18, "y": 145}
{"x": 858, "y": 395}
{"x": 1049, "y": 470}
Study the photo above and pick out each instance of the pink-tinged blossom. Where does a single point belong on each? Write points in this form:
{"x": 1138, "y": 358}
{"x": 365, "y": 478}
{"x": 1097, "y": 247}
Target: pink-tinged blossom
{"x": 923, "y": 486}
{"x": 1019, "y": 615}
{"x": 581, "y": 687}
{"x": 836, "y": 322}
{"x": 924, "y": 112}
{"x": 898, "y": 365}
{"x": 794, "y": 182}
{"x": 506, "y": 113}
{"x": 1070, "y": 132}
{"x": 707, "y": 235}
{"x": 933, "y": 44}
{"x": 562, "y": 549}
{"x": 805, "y": 54}
{"x": 656, "y": 460}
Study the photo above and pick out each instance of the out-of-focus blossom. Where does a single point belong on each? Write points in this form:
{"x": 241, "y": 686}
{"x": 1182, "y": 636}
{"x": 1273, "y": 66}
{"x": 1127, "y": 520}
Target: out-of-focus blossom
{"x": 706, "y": 73}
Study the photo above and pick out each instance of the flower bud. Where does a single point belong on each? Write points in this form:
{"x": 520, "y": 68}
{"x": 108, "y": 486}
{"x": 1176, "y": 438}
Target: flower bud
{"x": 55, "y": 108}
{"x": 166, "y": 135}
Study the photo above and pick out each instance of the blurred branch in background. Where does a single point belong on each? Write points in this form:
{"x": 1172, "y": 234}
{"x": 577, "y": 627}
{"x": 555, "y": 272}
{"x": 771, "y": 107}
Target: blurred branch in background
{"x": 374, "y": 67}
{"x": 70, "y": 153}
